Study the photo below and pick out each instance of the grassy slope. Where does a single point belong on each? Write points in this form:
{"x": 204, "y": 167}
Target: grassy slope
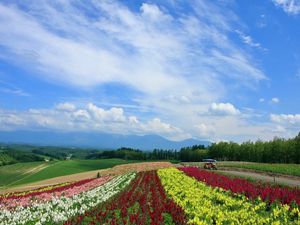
{"x": 4, "y": 158}
{"x": 62, "y": 168}
{"x": 14, "y": 172}
{"x": 289, "y": 169}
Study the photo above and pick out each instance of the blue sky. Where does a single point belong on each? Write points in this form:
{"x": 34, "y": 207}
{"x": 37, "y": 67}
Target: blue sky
{"x": 217, "y": 70}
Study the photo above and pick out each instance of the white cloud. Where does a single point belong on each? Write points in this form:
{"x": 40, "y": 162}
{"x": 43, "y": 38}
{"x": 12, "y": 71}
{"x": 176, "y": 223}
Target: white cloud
{"x": 152, "y": 12}
{"x": 80, "y": 115}
{"x": 66, "y": 106}
{"x": 68, "y": 47}
{"x": 205, "y": 131}
{"x": 7, "y": 120}
{"x": 93, "y": 118}
{"x": 87, "y": 118}
{"x": 112, "y": 115}
{"x": 12, "y": 89}
{"x": 156, "y": 125}
{"x": 248, "y": 40}
{"x": 261, "y": 100}
{"x": 274, "y": 101}
{"x": 17, "y": 92}
{"x": 224, "y": 109}
{"x": 289, "y": 119}
{"x": 133, "y": 120}
{"x": 169, "y": 59}
{"x": 291, "y": 7}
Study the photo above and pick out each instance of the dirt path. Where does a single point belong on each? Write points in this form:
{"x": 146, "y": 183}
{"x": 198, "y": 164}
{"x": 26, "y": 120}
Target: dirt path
{"x": 289, "y": 181}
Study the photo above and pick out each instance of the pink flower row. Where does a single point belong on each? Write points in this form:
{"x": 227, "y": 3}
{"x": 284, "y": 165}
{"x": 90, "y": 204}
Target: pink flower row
{"x": 47, "y": 189}
{"x": 43, "y": 197}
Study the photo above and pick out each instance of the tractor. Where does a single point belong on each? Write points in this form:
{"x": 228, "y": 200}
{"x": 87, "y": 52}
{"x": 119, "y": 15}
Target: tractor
{"x": 210, "y": 164}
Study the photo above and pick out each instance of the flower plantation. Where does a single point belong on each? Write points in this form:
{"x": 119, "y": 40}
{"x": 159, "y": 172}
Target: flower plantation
{"x": 144, "y": 202}
{"x": 162, "y": 196}
{"x": 242, "y": 186}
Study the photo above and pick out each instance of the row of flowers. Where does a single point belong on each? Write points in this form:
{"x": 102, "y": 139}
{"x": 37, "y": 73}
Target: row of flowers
{"x": 61, "y": 208}
{"x": 65, "y": 191}
{"x": 207, "y": 205}
{"x": 43, "y": 190}
{"x": 37, "y": 190}
{"x": 144, "y": 202}
{"x": 242, "y": 186}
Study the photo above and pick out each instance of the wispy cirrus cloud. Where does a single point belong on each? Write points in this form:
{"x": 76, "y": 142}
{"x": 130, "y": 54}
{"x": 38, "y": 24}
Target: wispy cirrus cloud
{"x": 291, "y": 7}
{"x": 12, "y": 89}
{"x": 169, "y": 58}
{"x": 86, "y": 51}
{"x": 248, "y": 40}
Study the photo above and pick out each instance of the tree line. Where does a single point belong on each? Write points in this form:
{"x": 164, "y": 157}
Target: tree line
{"x": 278, "y": 150}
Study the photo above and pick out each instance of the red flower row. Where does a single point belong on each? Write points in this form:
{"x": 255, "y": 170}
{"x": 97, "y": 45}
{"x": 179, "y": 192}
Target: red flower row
{"x": 40, "y": 191}
{"x": 144, "y": 202}
{"x": 242, "y": 186}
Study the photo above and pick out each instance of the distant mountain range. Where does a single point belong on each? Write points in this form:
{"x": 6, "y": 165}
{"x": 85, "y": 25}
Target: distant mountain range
{"x": 95, "y": 140}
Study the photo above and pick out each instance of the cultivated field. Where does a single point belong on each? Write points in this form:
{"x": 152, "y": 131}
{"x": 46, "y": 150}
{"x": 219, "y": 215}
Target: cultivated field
{"x": 12, "y": 173}
{"x": 23, "y": 173}
{"x": 152, "y": 193}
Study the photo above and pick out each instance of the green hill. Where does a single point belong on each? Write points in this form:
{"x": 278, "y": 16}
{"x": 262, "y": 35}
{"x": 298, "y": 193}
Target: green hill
{"x": 22, "y": 173}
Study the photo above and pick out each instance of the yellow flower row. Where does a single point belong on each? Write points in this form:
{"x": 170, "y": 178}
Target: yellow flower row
{"x": 206, "y": 205}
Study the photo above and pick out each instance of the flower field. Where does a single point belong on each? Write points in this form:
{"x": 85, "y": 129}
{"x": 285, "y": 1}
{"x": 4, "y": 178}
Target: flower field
{"x": 242, "y": 186}
{"x": 144, "y": 202}
{"x": 207, "y": 205}
{"x": 164, "y": 195}
{"x": 60, "y": 209}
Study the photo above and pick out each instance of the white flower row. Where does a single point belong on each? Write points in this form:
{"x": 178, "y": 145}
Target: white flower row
{"x": 61, "y": 209}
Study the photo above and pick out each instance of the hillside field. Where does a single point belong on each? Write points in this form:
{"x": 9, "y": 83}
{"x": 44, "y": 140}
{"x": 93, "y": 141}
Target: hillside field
{"x": 23, "y": 173}
{"x": 153, "y": 193}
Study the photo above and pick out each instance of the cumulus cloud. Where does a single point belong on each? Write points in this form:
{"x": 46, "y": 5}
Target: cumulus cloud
{"x": 66, "y": 106}
{"x": 205, "y": 131}
{"x": 90, "y": 117}
{"x": 113, "y": 115}
{"x": 224, "y": 109}
{"x": 289, "y": 119}
{"x": 157, "y": 125}
{"x": 291, "y": 7}
{"x": 274, "y": 100}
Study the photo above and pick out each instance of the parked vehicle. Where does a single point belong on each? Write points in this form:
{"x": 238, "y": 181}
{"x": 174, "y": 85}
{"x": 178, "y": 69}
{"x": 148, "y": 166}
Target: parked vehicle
{"x": 210, "y": 164}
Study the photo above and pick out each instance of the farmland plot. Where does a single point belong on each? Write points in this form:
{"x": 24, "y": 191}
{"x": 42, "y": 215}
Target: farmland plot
{"x": 207, "y": 205}
{"x": 145, "y": 202}
{"x": 161, "y": 196}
